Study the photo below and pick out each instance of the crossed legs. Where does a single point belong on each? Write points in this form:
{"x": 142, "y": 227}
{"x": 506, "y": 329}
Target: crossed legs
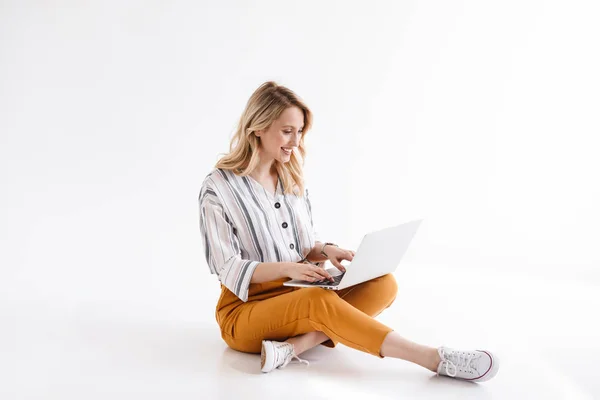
{"x": 394, "y": 345}
{"x": 309, "y": 316}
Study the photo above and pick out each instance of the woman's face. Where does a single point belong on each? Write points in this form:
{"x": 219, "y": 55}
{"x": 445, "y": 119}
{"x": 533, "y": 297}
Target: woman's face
{"x": 284, "y": 133}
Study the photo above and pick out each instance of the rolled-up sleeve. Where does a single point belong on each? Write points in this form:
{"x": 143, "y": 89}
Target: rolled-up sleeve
{"x": 313, "y": 228}
{"x": 222, "y": 247}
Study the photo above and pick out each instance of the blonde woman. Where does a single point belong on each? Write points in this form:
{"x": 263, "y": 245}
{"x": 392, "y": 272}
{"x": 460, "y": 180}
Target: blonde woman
{"x": 257, "y": 232}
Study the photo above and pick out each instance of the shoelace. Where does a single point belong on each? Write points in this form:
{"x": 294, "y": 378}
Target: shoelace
{"x": 288, "y": 355}
{"x": 456, "y": 359}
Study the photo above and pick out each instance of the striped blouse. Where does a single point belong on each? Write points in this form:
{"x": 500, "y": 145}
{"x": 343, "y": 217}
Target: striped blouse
{"x": 242, "y": 225}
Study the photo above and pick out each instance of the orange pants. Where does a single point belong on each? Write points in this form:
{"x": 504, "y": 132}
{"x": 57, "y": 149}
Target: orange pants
{"x": 277, "y": 312}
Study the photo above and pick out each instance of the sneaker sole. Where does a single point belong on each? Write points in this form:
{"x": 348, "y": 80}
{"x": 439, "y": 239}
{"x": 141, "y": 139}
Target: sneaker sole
{"x": 266, "y": 353}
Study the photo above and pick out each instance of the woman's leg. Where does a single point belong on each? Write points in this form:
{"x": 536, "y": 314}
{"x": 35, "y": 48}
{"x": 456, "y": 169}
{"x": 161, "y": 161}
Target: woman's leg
{"x": 372, "y": 297}
{"x": 322, "y": 314}
{"x": 307, "y": 341}
{"x": 301, "y": 311}
{"x": 394, "y": 346}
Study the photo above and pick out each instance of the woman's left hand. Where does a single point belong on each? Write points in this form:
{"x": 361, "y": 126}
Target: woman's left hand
{"x": 337, "y": 254}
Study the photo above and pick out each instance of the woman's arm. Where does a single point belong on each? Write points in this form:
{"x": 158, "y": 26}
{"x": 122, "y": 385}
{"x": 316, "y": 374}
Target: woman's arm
{"x": 270, "y": 271}
{"x": 315, "y": 253}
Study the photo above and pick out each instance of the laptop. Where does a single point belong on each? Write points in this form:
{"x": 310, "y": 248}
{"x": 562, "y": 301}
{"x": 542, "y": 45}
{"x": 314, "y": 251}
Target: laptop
{"x": 378, "y": 254}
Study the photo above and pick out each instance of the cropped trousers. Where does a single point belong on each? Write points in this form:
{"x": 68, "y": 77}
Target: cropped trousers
{"x": 277, "y": 312}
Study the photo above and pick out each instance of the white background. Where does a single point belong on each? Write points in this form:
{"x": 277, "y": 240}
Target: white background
{"x": 480, "y": 117}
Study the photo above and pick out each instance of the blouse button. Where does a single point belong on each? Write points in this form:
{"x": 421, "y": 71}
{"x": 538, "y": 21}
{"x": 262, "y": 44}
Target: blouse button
{"x": 284, "y": 224}
{"x": 292, "y": 246}
{"x": 277, "y": 205}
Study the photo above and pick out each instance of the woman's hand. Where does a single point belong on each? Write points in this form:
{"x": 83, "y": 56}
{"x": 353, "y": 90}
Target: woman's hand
{"x": 307, "y": 272}
{"x": 336, "y": 255}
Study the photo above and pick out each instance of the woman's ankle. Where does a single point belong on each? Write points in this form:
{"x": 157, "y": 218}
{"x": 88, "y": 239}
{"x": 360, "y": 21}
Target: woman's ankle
{"x": 307, "y": 341}
{"x": 435, "y": 360}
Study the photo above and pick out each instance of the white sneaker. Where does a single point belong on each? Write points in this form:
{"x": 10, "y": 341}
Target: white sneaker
{"x": 276, "y": 355}
{"x": 470, "y": 365}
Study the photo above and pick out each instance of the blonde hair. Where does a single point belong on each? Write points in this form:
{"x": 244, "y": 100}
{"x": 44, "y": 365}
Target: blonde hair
{"x": 264, "y": 107}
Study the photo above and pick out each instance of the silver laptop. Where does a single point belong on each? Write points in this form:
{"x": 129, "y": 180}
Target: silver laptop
{"x": 378, "y": 254}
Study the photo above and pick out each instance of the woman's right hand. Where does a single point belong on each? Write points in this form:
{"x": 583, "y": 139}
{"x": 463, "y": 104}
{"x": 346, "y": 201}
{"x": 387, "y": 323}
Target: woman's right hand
{"x": 307, "y": 272}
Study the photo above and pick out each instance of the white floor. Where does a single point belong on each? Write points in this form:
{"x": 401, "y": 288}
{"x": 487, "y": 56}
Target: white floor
{"x": 163, "y": 345}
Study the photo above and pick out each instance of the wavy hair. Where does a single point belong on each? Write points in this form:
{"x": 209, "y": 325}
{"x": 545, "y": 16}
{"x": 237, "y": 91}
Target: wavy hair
{"x": 264, "y": 107}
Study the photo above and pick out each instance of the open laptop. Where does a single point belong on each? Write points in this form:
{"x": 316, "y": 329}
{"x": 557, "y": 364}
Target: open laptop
{"x": 379, "y": 254}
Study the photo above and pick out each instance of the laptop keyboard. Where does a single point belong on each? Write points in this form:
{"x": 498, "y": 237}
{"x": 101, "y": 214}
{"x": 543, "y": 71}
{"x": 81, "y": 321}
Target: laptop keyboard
{"x": 336, "y": 281}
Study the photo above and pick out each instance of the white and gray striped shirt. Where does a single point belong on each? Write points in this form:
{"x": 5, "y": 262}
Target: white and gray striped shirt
{"x": 242, "y": 225}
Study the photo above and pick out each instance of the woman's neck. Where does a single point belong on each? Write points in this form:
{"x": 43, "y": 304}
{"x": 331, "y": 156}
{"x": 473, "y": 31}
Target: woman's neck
{"x": 264, "y": 172}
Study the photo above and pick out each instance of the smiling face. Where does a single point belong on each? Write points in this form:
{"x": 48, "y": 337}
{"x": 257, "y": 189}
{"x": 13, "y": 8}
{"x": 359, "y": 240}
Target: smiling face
{"x": 283, "y": 134}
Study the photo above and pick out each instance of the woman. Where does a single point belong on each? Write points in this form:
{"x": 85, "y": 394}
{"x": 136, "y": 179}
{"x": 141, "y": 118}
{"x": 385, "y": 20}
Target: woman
{"x": 257, "y": 231}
